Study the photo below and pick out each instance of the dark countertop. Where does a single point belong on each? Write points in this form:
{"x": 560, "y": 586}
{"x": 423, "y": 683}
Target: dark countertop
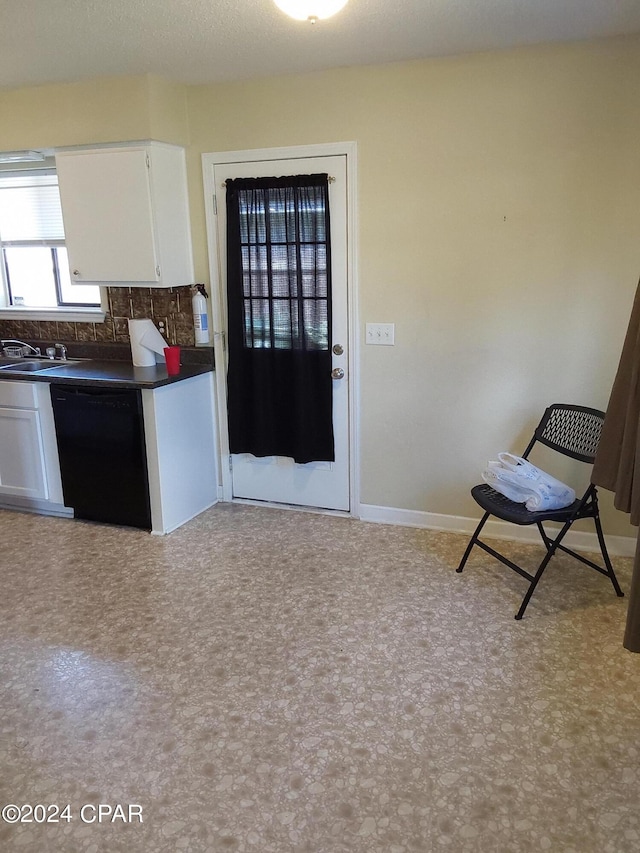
{"x": 109, "y": 374}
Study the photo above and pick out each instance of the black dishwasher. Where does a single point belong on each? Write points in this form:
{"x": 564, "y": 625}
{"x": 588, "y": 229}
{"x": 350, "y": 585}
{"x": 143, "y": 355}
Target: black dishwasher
{"x": 103, "y": 460}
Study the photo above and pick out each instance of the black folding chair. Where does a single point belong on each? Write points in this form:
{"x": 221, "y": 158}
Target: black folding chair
{"x": 573, "y": 431}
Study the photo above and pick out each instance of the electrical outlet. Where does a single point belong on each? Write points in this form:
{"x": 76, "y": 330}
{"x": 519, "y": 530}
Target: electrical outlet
{"x": 380, "y": 334}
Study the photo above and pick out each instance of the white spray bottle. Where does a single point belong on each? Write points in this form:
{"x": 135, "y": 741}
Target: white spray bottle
{"x": 200, "y": 314}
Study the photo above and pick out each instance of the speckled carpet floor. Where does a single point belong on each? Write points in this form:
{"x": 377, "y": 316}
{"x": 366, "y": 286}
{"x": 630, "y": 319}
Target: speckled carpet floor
{"x": 273, "y": 681}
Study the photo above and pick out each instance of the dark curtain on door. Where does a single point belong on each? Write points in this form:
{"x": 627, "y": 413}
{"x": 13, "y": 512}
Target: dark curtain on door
{"x": 617, "y": 465}
{"x": 279, "y": 305}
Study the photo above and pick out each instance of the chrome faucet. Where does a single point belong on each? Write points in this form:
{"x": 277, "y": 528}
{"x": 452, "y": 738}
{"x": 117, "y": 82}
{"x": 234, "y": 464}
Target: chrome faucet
{"x": 34, "y": 350}
{"x": 63, "y": 351}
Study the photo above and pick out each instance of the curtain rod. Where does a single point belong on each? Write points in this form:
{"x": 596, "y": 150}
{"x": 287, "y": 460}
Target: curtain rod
{"x": 223, "y": 185}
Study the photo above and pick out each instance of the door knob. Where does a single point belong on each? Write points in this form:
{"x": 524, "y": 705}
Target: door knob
{"x": 338, "y": 349}
{"x": 337, "y": 373}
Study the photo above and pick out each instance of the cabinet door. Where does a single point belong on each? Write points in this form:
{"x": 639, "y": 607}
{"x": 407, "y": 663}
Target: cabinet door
{"x": 107, "y": 213}
{"x": 22, "y": 469}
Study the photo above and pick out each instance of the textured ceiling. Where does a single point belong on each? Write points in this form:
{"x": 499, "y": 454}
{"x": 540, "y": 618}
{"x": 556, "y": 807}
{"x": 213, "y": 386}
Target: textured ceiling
{"x": 202, "y": 41}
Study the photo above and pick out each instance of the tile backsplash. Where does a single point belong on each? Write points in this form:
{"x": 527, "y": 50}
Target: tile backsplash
{"x": 169, "y": 306}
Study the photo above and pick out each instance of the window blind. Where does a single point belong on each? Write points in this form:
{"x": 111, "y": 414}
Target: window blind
{"x": 30, "y": 209}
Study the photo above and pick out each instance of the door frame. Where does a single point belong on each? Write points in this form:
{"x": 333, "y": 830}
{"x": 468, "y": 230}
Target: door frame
{"x": 218, "y": 298}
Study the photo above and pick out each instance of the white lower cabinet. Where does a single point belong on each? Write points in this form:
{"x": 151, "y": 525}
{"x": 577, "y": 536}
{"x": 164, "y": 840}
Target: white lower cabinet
{"x": 22, "y": 469}
{"x": 179, "y": 426}
{"x": 29, "y": 468}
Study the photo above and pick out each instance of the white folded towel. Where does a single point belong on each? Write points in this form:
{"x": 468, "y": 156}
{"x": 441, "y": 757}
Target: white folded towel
{"x": 522, "y": 482}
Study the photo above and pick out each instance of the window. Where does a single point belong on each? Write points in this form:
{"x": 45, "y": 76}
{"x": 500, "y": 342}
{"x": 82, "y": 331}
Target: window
{"x": 33, "y": 262}
{"x": 285, "y": 275}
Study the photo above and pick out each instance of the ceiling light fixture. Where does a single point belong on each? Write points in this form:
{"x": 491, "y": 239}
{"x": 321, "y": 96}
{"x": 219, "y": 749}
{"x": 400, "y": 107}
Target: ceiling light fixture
{"x": 310, "y": 10}
{"x": 20, "y": 156}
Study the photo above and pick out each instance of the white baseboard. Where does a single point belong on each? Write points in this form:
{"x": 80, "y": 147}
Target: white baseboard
{"x": 41, "y": 507}
{"x": 621, "y": 546}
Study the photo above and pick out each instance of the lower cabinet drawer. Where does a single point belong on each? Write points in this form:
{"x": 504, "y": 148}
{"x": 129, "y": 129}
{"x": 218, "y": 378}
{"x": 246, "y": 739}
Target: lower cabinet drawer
{"x": 21, "y": 395}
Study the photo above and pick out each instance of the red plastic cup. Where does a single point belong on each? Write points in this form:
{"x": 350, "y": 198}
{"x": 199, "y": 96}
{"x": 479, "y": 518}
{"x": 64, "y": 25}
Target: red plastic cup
{"x": 172, "y": 358}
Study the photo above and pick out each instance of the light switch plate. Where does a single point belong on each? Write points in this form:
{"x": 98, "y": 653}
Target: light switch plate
{"x": 380, "y": 334}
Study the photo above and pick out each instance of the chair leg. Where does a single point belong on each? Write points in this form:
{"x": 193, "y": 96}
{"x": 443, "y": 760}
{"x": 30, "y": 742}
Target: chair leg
{"x": 547, "y": 541}
{"x": 472, "y": 541}
{"x": 605, "y": 556}
{"x": 551, "y": 549}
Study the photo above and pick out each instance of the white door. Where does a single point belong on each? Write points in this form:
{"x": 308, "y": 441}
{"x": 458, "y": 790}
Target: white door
{"x": 278, "y": 479}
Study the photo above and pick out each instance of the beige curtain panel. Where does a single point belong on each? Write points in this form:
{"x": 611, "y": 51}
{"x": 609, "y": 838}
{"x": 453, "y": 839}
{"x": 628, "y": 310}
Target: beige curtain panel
{"x": 617, "y": 465}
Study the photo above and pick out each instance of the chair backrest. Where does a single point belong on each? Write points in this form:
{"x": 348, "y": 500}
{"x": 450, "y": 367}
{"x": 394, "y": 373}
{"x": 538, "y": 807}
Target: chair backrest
{"x": 571, "y": 430}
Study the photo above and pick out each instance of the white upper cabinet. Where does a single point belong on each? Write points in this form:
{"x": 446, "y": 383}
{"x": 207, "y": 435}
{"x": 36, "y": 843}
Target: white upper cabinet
{"x": 126, "y": 215}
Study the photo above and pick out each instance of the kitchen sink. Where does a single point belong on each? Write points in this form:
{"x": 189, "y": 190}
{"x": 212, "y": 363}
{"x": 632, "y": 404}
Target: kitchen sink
{"x": 29, "y": 366}
{"x": 25, "y": 366}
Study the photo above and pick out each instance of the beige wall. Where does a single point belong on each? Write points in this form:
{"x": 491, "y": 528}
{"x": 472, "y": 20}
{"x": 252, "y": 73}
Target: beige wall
{"x": 105, "y": 110}
{"x": 499, "y": 216}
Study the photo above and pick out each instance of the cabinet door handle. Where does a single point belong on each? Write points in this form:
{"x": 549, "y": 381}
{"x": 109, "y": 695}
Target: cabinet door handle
{"x": 76, "y": 273}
